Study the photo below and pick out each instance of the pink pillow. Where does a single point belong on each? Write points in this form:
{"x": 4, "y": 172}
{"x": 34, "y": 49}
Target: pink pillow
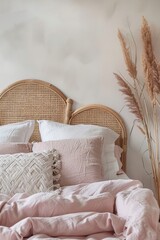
{"x": 117, "y": 153}
{"x": 81, "y": 159}
{"x": 11, "y": 148}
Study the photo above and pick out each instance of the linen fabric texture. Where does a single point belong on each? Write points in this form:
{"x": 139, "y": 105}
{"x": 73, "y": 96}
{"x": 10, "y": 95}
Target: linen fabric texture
{"x": 50, "y": 130}
{"x": 11, "y": 148}
{"x": 17, "y": 132}
{"x": 81, "y": 159}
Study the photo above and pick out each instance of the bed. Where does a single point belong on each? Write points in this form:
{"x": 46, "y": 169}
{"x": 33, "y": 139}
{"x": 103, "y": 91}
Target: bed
{"x": 62, "y": 185}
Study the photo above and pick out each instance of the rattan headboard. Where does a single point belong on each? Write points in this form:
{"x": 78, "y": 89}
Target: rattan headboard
{"x": 33, "y": 99}
{"x": 36, "y": 99}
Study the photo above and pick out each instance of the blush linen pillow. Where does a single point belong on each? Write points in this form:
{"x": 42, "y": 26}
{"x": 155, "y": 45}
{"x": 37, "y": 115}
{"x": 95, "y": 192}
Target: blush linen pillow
{"x": 17, "y": 132}
{"x": 29, "y": 172}
{"x": 81, "y": 159}
{"x": 50, "y": 130}
{"x": 11, "y": 148}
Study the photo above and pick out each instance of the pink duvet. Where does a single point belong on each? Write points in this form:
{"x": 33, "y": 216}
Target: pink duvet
{"x": 117, "y": 209}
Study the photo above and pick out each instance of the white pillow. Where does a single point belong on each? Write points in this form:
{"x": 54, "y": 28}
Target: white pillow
{"x": 29, "y": 172}
{"x": 17, "y": 132}
{"x": 50, "y": 130}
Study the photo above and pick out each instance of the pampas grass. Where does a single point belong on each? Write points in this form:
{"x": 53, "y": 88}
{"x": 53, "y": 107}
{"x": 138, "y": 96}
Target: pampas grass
{"x": 141, "y": 96}
{"x": 129, "y": 97}
{"x": 131, "y": 67}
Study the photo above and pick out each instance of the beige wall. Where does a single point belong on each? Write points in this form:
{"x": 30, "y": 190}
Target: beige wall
{"x": 73, "y": 44}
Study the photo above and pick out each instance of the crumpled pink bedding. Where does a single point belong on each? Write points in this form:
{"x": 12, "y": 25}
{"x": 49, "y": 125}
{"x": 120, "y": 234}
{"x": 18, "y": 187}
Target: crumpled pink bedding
{"x": 117, "y": 209}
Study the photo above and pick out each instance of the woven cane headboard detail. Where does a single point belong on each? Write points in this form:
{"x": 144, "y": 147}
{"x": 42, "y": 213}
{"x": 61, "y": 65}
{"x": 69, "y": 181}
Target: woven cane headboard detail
{"x": 33, "y": 99}
{"x": 106, "y": 117}
{"x": 37, "y": 99}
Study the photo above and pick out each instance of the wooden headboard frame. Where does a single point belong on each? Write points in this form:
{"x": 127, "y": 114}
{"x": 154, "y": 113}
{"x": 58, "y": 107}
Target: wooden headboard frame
{"x": 37, "y": 99}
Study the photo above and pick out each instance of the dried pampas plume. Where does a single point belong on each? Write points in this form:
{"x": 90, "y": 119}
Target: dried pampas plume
{"x": 129, "y": 97}
{"x": 150, "y": 66}
{"x": 131, "y": 67}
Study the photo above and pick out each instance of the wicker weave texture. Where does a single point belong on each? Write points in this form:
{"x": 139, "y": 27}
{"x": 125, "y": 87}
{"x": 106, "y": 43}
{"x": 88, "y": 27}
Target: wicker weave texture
{"x": 32, "y": 99}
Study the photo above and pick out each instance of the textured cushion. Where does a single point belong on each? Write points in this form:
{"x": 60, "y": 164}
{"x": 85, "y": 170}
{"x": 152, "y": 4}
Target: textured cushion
{"x": 81, "y": 159}
{"x": 17, "y": 132}
{"x": 11, "y": 148}
{"x": 29, "y": 172}
{"x": 50, "y": 130}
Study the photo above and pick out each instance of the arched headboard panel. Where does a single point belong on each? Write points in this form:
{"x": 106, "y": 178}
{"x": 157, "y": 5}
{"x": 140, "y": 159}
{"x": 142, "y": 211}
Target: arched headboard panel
{"x": 37, "y": 99}
{"x": 106, "y": 117}
{"x": 33, "y": 99}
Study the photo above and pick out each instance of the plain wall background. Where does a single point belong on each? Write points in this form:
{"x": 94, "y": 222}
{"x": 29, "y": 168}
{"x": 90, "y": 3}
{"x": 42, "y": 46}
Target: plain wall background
{"x": 73, "y": 44}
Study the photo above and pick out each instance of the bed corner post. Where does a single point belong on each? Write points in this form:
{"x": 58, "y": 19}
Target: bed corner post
{"x": 68, "y": 110}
